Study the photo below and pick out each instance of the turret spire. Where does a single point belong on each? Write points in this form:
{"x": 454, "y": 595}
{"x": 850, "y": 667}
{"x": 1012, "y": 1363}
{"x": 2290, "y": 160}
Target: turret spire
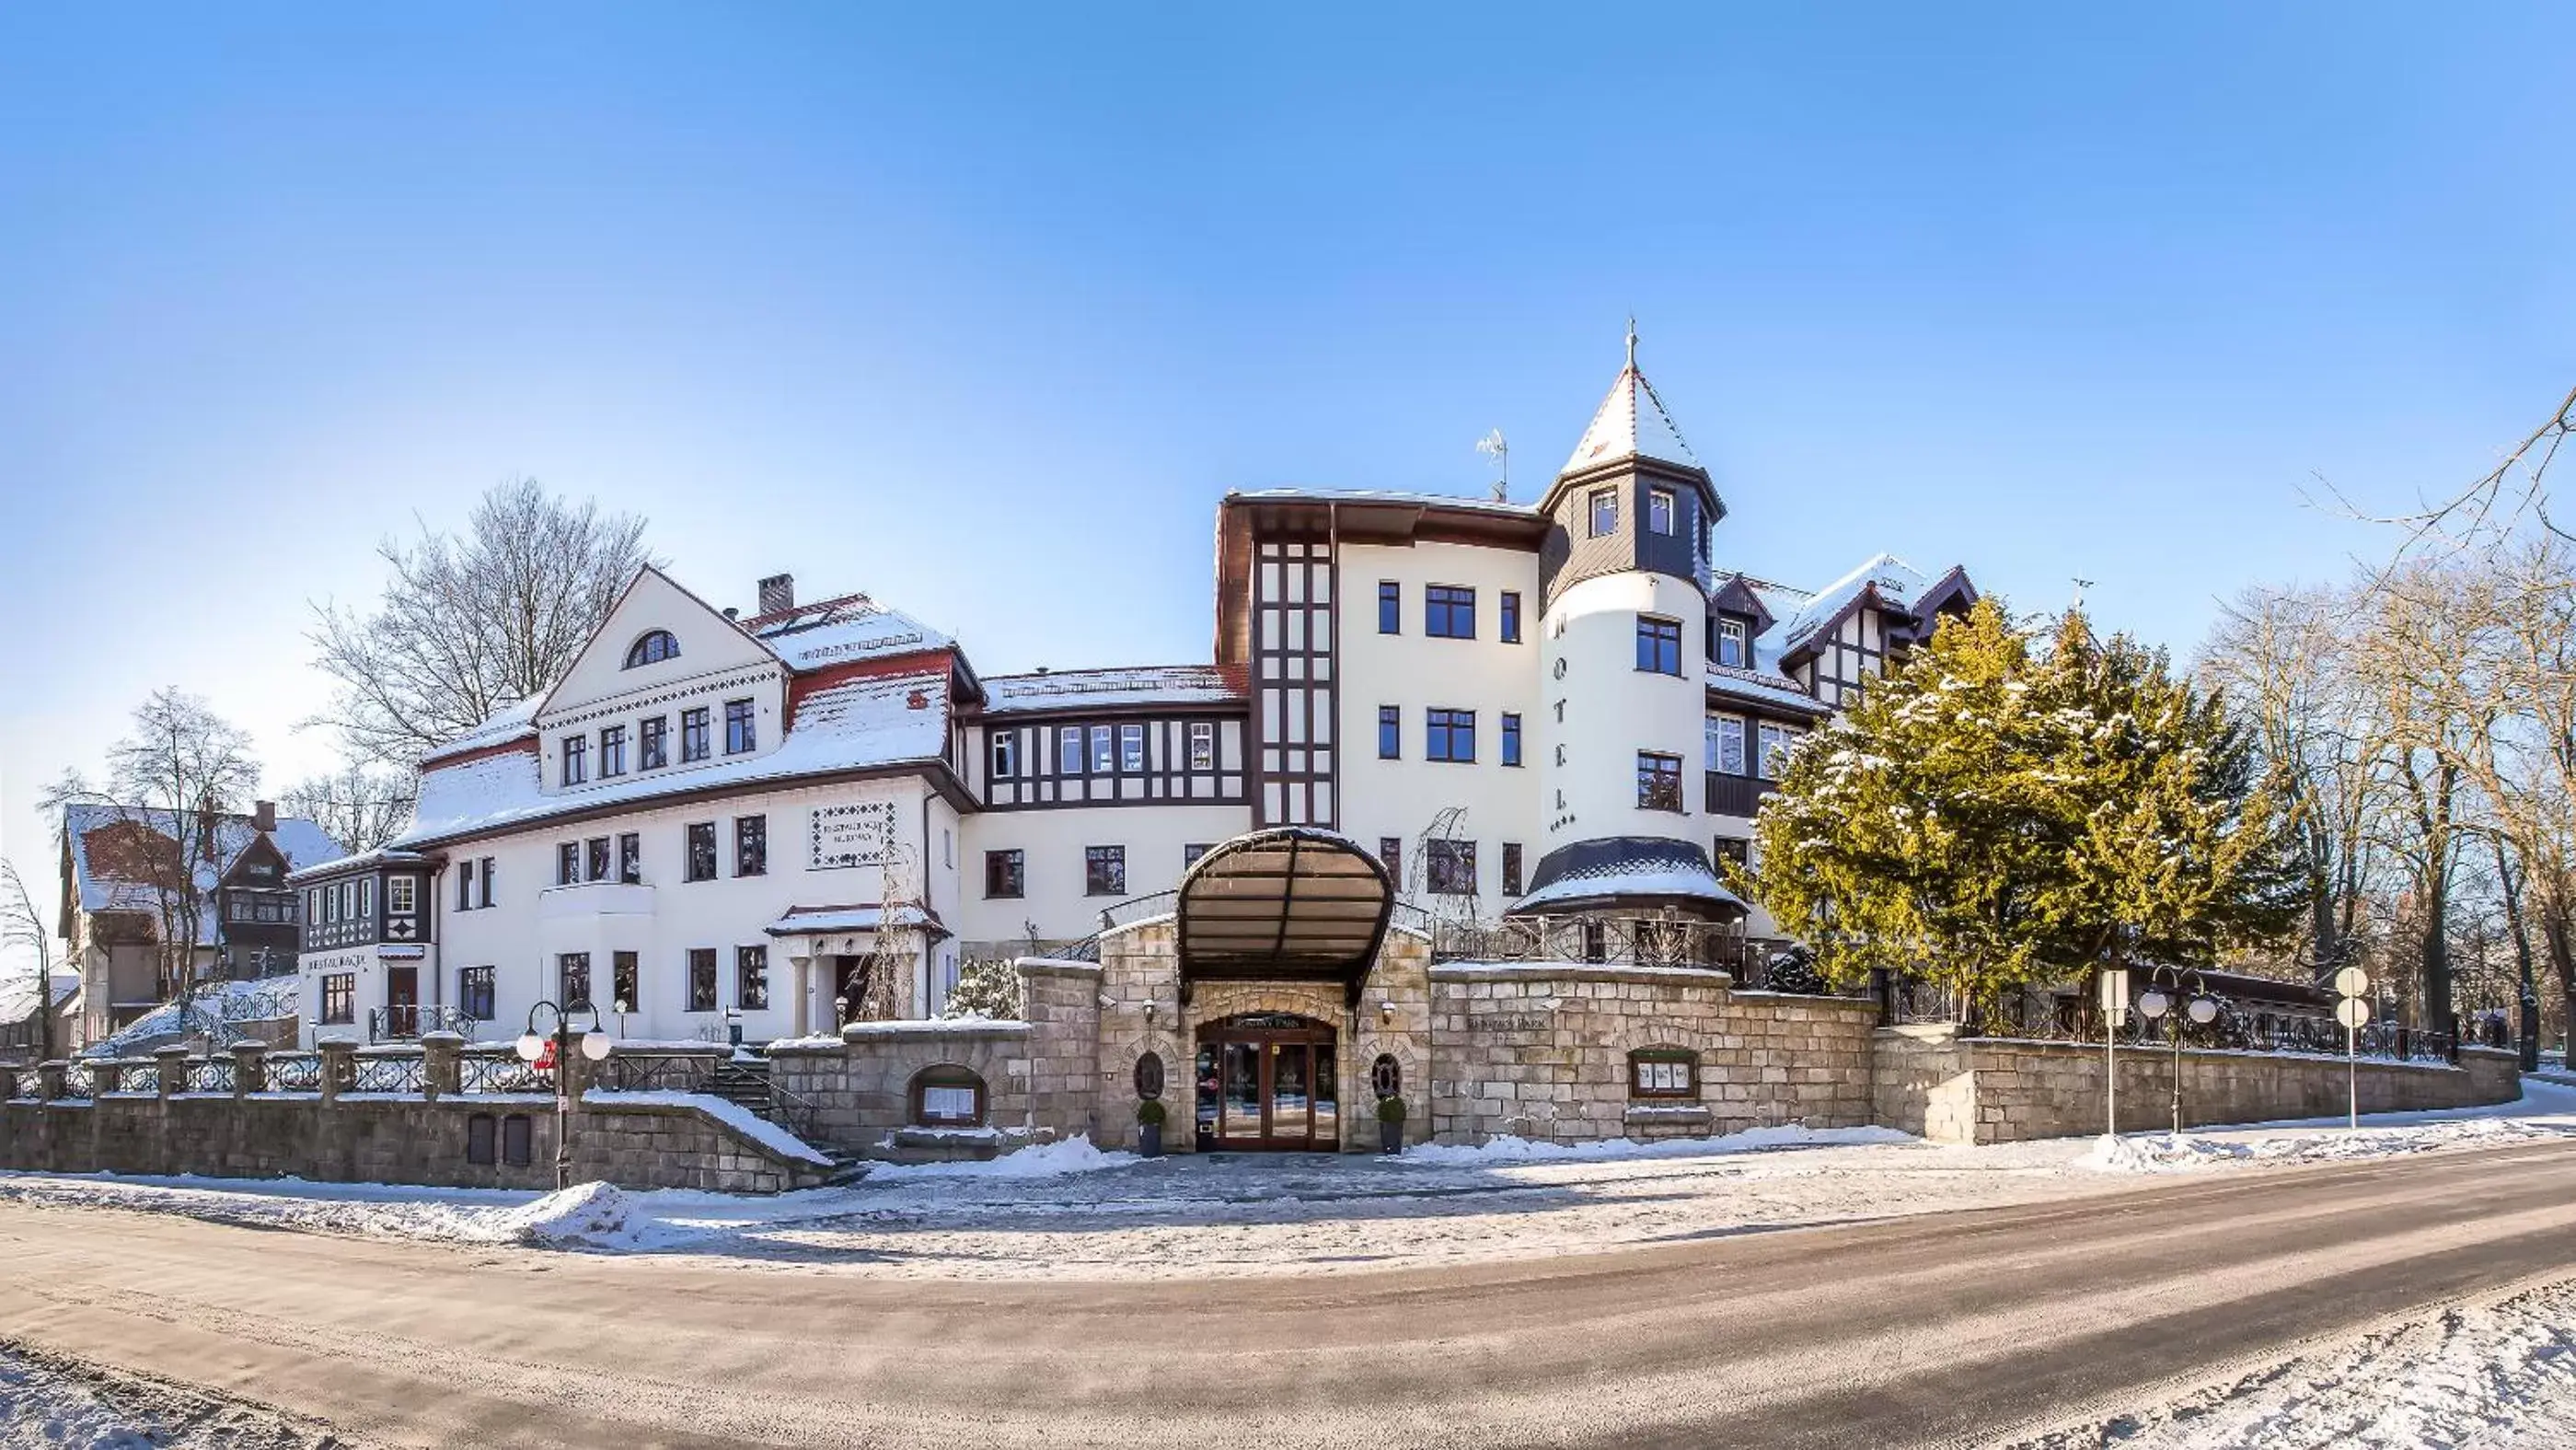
{"x": 1631, "y": 423}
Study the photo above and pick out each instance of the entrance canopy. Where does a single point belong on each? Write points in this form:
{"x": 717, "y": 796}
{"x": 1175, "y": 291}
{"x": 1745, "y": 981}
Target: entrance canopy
{"x": 1290, "y": 904}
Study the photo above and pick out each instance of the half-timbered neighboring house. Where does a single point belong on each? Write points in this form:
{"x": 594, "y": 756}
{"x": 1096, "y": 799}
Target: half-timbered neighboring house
{"x": 132, "y": 877}
{"x": 767, "y": 823}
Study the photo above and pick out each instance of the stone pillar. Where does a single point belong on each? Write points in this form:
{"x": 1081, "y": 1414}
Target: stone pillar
{"x": 442, "y": 1065}
{"x": 339, "y": 1067}
{"x": 804, "y": 977}
{"x": 106, "y": 1076}
{"x": 249, "y": 1072}
{"x": 174, "y": 1069}
{"x": 49, "y": 1079}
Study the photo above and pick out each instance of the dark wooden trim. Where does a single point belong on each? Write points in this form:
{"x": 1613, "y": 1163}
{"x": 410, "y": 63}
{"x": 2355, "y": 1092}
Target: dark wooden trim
{"x": 935, "y": 773}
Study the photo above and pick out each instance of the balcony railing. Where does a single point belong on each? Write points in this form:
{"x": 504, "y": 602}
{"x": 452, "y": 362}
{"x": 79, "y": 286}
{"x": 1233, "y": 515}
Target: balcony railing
{"x": 1625, "y": 941}
{"x": 1736, "y": 795}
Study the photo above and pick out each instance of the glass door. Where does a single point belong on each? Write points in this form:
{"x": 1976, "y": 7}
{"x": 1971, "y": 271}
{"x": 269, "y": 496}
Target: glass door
{"x": 1239, "y": 1122}
{"x": 1291, "y": 1104}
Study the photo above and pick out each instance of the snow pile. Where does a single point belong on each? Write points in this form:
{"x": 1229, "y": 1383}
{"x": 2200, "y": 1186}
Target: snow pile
{"x": 586, "y": 1215}
{"x": 2498, "y": 1373}
{"x": 262, "y": 999}
{"x": 1076, "y": 1154}
{"x": 1507, "y": 1149}
{"x": 733, "y": 1115}
{"x": 63, "y": 1403}
{"x": 2167, "y": 1153}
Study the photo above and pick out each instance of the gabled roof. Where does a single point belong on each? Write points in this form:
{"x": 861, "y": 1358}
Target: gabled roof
{"x": 1884, "y": 580}
{"x": 836, "y": 631}
{"x": 108, "y": 878}
{"x": 1140, "y": 685}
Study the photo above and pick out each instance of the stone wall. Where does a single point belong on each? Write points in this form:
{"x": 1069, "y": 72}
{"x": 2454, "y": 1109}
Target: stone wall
{"x": 375, "y": 1138}
{"x": 1949, "y": 1089}
{"x": 856, "y": 1095}
{"x": 1540, "y": 1050}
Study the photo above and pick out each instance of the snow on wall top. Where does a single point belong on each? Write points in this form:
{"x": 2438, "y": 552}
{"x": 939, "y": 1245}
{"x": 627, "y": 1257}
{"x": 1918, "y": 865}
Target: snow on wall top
{"x": 1659, "y": 879}
{"x": 1384, "y": 495}
{"x": 1140, "y": 685}
{"x": 855, "y": 725}
{"x": 826, "y": 920}
{"x": 1631, "y": 423}
{"x": 108, "y": 880}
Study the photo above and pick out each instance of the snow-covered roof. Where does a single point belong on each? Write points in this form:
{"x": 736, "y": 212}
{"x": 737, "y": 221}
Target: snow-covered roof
{"x": 1092, "y": 689}
{"x": 1387, "y": 496}
{"x": 1673, "y": 879}
{"x": 1898, "y": 584}
{"x": 825, "y": 920}
{"x": 510, "y": 722}
{"x": 108, "y": 880}
{"x": 837, "y": 631}
{"x": 1631, "y": 423}
{"x": 381, "y": 856}
{"x": 856, "y": 725}
{"x": 18, "y": 994}
{"x": 1764, "y": 687}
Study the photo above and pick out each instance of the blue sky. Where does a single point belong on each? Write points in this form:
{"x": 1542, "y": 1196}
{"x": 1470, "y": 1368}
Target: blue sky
{"x": 982, "y": 314}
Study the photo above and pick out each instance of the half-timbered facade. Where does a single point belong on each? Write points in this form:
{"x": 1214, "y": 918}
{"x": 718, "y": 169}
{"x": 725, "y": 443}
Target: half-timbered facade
{"x": 771, "y": 823}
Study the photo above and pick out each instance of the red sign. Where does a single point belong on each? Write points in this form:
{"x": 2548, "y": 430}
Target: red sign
{"x": 546, "y": 1056}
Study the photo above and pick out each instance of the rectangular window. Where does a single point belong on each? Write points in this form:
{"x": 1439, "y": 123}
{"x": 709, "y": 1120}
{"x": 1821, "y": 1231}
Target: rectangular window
{"x": 1511, "y": 738}
{"x": 702, "y": 977}
{"x": 693, "y": 734}
{"x": 366, "y": 898}
{"x": 1202, "y": 745}
{"x": 1731, "y": 644}
{"x": 576, "y": 757}
{"x": 751, "y": 845}
{"x": 474, "y": 992}
{"x": 1449, "y": 612}
{"x": 1775, "y": 741}
{"x": 1131, "y": 748}
{"x": 1068, "y": 750}
{"x": 1104, "y": 754}
{"x": 1605, "y": 512}
{"x": 340, "y": 997}
{"x": 568, "y": 863}
{"x": 598, "y": 859}
{"x": 702, "y": 851}
{"x": 1390, "y": 732}
{"x": 612, "y": 751}
{"x": 1006, "y": 753}
{"x": 1725, "y": 734}
{"x": 401, "y": 895}
{"x": 1390, "y": 607}
{"x": 1735, "y": 849}
{"x": 1511, "y": 868}
{"x": 1005, "y": 874}
{"x": 1659, "y": 510}
{"x": 1452, "y": 867}
{"x": 572, "y": 979}
{"x": 622, "y": 970}
{"x": 1104, "y": 870}
{"x": 1659, "y": 781}
{"x": 483, "y": 887}
{"x": 652, "y": 743}
{"x": 1191, "y": 853}
{"x": 313, "y": 898}
{"x": 1511, "y": 627}
{"x": 741, "y": 738}
{"x": 630, "y": 859}
{"x": 1449, "y": 735}
{"x": 1390, "y": 854}
{"x": 1659, "y": 645}
{"x": 751, "y": 978}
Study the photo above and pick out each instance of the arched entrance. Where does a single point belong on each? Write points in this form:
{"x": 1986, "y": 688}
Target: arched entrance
{"x": 1268, "y": 1082}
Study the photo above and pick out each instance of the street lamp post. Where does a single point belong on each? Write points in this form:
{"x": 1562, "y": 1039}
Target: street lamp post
{"x": 532, "y": 1046}
{"x": 2157, "y": 1001}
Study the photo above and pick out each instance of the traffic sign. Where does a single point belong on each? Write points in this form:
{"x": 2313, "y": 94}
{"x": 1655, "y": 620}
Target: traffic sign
{"x": 2352, "y": 1012}
{"x": 2115, "y": 989}
{"x": 2352, "y": 982}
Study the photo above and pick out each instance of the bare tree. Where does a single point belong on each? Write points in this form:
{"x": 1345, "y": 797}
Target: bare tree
{"x": 900, "y": 936}
{"x": 358, "y": 807}
{"x": 23, "y": 926}
{"x": 2496, "y": 503}
{"x": 470, "y": 625}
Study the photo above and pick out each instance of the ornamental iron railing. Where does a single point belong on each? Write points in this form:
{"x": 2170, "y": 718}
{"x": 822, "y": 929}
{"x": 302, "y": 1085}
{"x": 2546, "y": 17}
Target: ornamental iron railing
{"x": 485, "y": 1070}
{"x": 389, "y": 1072}
{"x": 679, "y": 1072}
{"x": 1763, "y": 963}
{"x": 293, "y": 1072}
{"x": 2050, "y": 1015}
{"x": 208, "y": 1075}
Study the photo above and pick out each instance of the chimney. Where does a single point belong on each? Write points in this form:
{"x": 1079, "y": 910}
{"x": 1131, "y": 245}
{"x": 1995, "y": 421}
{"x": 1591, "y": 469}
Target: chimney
{"x": 778, "y": 594}
{"x": 263, "y": 816}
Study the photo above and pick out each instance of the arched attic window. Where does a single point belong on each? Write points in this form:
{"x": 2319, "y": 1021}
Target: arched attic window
{"x": 651, "y": 648}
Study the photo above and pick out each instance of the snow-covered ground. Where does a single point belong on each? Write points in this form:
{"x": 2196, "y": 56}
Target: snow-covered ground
{"x": 51, "y": 1402}
{"x": 1073, "y": 1211}
{"x": 2495, "y": 1371}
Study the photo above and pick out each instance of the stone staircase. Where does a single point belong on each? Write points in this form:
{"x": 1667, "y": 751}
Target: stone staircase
{"x": 745, "y": 1082}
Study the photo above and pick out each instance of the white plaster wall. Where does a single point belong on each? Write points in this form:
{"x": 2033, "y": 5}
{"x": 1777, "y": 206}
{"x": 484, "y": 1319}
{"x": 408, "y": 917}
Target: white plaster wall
{"x": 1614, "y": 710}
{"x": 1054, "y": 840}
{"x": 531, "y": 920}
{"x": 1417, "y": 672}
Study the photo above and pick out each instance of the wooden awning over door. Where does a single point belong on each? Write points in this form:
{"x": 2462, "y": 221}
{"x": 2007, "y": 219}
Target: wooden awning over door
{"x": 1288, "y": 904}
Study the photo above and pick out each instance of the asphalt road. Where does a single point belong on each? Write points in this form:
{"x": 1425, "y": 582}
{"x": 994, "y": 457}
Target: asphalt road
{"x": 1936, "y": 1330}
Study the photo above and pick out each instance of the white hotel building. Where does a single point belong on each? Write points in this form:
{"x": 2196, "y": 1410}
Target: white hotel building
{"x": 714, "y": 821}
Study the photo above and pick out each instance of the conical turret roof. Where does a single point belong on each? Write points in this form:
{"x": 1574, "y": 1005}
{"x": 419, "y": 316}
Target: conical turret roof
{"x": 1631, "y": 423}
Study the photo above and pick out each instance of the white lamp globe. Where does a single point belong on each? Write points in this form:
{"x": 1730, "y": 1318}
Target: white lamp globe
{"x": 2204, "y": 1010}
{"x": 531, "y": 1047}
{"x": 2153, "y": 1003}
{"x": 595, "y": 1046}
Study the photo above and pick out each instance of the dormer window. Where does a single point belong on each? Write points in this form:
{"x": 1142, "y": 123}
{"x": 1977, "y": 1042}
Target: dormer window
{"x": 576, "y": 750}
{"x": 1734, "y": 646}
{"x": 655, "y": 646}
{"x": 1659, "y": 511}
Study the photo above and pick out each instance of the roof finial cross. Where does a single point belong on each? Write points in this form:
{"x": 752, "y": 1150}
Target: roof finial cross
{"x": 1632, "y": 340}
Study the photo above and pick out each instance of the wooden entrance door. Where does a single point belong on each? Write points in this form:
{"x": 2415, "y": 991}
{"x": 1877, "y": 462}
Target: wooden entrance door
{"x": 1268, "y": 1083}
{"x": 402, "y": 1001}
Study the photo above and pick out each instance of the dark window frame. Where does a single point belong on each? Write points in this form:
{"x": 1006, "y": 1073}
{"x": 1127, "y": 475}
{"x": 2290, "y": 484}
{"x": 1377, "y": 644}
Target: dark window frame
{"x": 1512, "y": 868}
{"x": 1511, "y": 738}
{"x": 568, "y": 863}
{"x": 1006, "y": 874}
{"x": 475, "y": 992}
{"x": 945, "y": 1075}
{"x": 652, "y": 647}
{"x": 1602, "y": 507}
{"x": 699, "y": 980}
{"x": 612, "y": 751}
{"x": 698, "y": 851}
{"x": 1510, "y": 624}
{"x": 751, "y": 978}
{"x": 751, "y": 845}
{"x": 625, "y": 981}
{"x": 1446, "y": 733}
{"x": 742, "y": 727}
{"x": 1104, "y": 870}
{"x": 1390, "y": 854}
{"x": 576, "y": 761}
{"x": 339, "y": 998}
{"x": 1449, "y": 867}
{"x": 1650, "y": 1078}
{"x": 1659, "y": 782}
{"x": 696, "y": 734}
{"x": 630, "y": 858}
{"x": 653, "y": 742}
{"x": 1660, "y": 503}
{"x": 572, "y": 979}
{"x": 1390, "y": 607}
{"x": 1448, "y": 611}
{"x": 1659, "y": 645}
{"x": 1390, "y": 732}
